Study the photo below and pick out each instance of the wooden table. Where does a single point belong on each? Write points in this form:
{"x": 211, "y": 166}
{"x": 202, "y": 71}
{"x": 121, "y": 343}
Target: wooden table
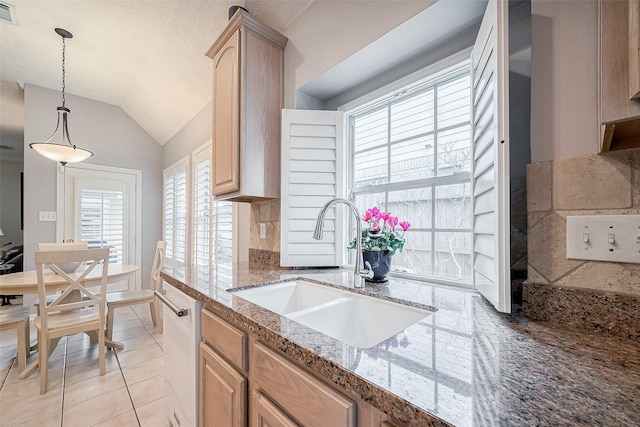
{"x": 27, "y": 283}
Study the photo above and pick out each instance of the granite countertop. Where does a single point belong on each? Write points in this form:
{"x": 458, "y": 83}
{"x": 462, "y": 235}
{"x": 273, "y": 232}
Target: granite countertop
{"x": 465, "y": 365}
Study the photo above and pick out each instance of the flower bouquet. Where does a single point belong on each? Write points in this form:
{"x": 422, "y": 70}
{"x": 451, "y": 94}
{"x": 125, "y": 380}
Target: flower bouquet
{"x": 381, "y": 239}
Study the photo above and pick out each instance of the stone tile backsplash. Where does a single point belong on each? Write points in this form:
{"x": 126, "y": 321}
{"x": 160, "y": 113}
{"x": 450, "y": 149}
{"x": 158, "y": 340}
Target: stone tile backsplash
{"x": 606, "y": 184}
{"x": 590, "y": 294}
{"x": 267, "y": 212}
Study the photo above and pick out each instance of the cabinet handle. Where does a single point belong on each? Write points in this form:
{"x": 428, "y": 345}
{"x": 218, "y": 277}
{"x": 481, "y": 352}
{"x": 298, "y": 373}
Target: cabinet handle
{"x": 180, "y": 312}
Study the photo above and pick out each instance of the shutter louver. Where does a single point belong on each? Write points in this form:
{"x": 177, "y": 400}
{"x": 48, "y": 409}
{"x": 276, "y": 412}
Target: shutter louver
{"x": 312, "y": 174}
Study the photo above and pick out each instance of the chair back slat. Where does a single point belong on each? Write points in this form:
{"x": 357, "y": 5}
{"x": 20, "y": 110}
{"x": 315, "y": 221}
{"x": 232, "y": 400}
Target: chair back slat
{"x": 98, "y": 258}
{"x": 158, "y": 263}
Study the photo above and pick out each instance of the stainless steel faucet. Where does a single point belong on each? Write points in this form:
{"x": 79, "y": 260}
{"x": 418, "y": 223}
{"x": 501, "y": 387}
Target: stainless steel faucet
{"x": 359, "y": 273}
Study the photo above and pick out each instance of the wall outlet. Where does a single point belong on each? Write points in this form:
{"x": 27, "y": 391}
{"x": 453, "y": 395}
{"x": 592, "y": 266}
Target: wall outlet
{"x": 263, "y": 230}
{"x": 47, "y": 215}
{"x": 613, "y": 238}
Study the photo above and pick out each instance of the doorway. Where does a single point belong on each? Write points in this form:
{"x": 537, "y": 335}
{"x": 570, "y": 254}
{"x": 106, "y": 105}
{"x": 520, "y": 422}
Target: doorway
{"x": 101, "y": 205}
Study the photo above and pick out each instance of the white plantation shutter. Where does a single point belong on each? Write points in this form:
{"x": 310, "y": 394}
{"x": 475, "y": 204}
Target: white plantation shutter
{"x": 490, "y": 130}
{"x": 312, "y": 174}
{"x": 201, "y": 257}
{"x": 169, "y": 204}
{"x": 212, "y": 220}
{"x": 175, "y": 212}
{"x": 102, "y": 221}
{"x": 223, "y": 232}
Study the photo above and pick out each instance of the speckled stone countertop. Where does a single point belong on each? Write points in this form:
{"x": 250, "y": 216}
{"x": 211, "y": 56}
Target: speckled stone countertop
{"x": 465, "y": 365}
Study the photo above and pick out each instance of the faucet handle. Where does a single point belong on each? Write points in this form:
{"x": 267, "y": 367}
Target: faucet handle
{"x": 367, "y": 271}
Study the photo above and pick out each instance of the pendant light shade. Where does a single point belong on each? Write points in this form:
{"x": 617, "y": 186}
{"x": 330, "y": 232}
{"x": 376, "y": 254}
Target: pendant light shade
{"x": 59, "y": 147}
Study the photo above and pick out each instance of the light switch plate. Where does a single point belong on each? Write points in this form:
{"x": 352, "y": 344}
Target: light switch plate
{"x": 47, "y": 215}
{"x": 614, "y": 238}
{"x": 263, "y": 230}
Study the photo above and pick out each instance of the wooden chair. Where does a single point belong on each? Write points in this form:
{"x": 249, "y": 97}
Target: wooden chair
{"x": 76, "y": 309}
{"x": 18, "y": 318}
{"x": 141, "y": 296}
{"x": 47, "y": 247}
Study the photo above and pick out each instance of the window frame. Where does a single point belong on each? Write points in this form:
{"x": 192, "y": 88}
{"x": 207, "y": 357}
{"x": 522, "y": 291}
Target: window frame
{"x": 426, "y": 79}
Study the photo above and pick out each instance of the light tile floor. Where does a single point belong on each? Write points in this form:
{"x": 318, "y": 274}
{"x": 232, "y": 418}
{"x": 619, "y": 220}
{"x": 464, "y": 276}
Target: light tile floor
{"x": 130, "y": 394}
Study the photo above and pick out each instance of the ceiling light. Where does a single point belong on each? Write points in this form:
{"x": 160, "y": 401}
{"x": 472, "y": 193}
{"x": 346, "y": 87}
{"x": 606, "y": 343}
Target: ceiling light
{"x": 63, "y": 152}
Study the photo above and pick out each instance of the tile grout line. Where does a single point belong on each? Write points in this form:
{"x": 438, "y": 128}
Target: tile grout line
{"x": 14, "y": 361}
{"x": 124, "y": 379}
{"x": 64, "y": 374}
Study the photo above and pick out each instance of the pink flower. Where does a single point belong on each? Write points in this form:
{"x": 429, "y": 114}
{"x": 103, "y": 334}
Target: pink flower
{"x": 374, "y": 211}
{"x": 374, "y": 225}
{"x": 368, "y": 216}
{"x": 392, "y": 221}
{"x": 405, "y": 225}
{"x": 385, "y": 216}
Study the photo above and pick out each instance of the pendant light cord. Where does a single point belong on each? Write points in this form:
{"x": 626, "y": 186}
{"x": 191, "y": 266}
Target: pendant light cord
{"x": 63, "y": 73}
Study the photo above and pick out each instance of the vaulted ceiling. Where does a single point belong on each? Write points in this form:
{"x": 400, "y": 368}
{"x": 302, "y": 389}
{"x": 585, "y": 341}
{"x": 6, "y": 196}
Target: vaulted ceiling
{"x": 146, "y": 57}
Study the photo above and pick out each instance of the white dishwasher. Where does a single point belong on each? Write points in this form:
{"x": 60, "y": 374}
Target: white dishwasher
{"x": 181, "y": 317}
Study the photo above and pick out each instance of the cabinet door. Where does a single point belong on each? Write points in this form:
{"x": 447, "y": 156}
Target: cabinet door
{"x": 267, "y": 414}
{"x": 301, "y": 394}
{"x": 223, "y": 391}
{"x": 226, "y": 110}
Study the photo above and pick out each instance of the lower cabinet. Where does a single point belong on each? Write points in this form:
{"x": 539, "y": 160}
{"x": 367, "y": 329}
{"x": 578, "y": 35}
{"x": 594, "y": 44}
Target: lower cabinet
{"x": 223, "y": 391}
{"x": 282, "y": 393}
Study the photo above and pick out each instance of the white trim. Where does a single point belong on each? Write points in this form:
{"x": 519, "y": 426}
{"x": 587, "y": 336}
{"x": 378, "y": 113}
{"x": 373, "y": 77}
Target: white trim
{"x": 60, "y": 201}
{"x": 200, "y": 149}
{"x": 433, "y": 71}
{"x": 178, "y": 163}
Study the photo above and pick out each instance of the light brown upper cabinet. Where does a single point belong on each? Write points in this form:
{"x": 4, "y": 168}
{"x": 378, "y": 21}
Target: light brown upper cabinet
{"x": 620, "y": 74}
{"x": 248, "y": 70}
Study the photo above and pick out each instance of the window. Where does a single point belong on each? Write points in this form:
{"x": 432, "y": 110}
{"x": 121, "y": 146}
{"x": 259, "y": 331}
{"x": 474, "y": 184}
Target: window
{"x": 175, "y": 213}
{"x": 410, "y": 154}
{"x": 212, "y": 220}
{"x": 201, "y": 258}
{"x": 103, "y": 221}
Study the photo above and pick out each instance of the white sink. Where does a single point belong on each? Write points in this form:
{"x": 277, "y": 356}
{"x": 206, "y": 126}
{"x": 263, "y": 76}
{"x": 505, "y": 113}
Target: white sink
{"x": 360, "y": 321}
{"x": 287, "y": 297}
{"x": 355, "y": 319}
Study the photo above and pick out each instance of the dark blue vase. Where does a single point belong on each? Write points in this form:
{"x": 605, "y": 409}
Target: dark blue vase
{"x": 380, "y": 264}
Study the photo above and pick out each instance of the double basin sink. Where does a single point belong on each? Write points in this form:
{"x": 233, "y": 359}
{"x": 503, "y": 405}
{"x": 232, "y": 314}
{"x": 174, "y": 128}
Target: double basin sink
{"x": 355, "y": 319}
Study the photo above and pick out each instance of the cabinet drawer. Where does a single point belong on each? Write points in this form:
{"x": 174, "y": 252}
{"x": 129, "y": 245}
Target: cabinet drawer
{"x": 228, "y": 340}
{"x": 307, "y": 399}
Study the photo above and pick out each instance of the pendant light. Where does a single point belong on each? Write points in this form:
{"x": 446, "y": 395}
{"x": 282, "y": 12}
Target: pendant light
{"x": 63, "y": 151}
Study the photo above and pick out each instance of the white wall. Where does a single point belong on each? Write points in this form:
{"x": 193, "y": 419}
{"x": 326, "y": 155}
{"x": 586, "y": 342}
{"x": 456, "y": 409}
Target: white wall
{"x": 193, "y": 135}
{"x": 115, "y": 139}
{"x": 328, "y": 32}
{"x": 10, "y": 202}
{"x": 564, "y": 81}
